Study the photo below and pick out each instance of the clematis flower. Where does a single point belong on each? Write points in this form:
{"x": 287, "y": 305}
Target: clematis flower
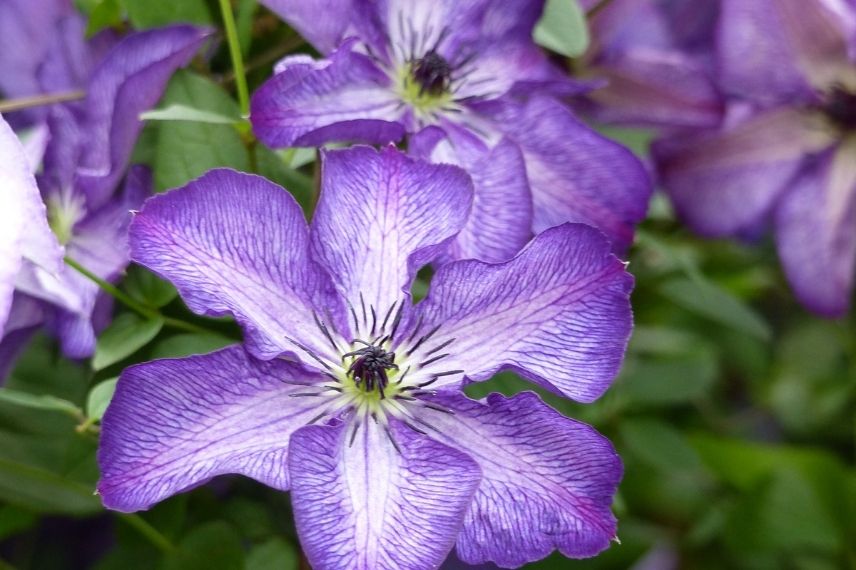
{"x": 348, "y": 395}
{"x": 470, "y": 70}
{"x": 657, "y": 57}
{"x": 89, "y": 144}
{"x": 785, "y": 155}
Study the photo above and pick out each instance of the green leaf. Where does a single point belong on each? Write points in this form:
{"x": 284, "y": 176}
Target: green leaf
{"x": 125, "y": 335}
{"x": 659, "y": 445}
{"x": 99, "y": 398}
{"x": 185, "y": 150}
{"x": 666, "y": 381}
{"x": 275, "y": 553}
{"x": 176, "y": 112}
{"x": 14, "y": 520}
{"x": 563, "y": 28}
{"x": 39, "y": 402}
{"x": 155, "y": 13}
{"x": 273, "y": 167}
{"x": 189, "y": 344}
{"x": 148, "y": 288}
{"x": 211, "y": 545}
{"x": 709, "y": 300}
{"x": 37, "y": 488}
{"x": 105, "y": 14}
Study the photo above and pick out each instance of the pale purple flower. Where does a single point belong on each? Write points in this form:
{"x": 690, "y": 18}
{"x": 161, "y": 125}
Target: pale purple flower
{"x": 469, "y": 70}
{"x": 89, "y": 144}
{"x": 785, "y": 154}
{"x": 657, "y": 57}
{"x": 348, "y": 395}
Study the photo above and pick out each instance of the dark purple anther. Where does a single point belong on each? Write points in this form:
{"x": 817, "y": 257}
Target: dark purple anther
{"x": 432, "y": 73}
{"x": 371, "y": 365}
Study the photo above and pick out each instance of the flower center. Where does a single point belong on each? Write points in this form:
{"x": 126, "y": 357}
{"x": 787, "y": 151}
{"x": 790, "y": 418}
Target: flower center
{"x": 426, "y": 82}
{"x": 64, "y": 212}
{"x": 368, "y": 370}
{"x": 840, "y": 107}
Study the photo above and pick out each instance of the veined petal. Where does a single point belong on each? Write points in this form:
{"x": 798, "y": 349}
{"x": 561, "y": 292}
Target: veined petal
{"x": 381, "y": 216}
{"x": 321, "y": 22}
{"x": 500, "y": 222}
{"x": 237, "y": 243}
{"x": 130, "y": 80}
{"x": 557, "y": 314}
{"x": 25, "y": 318}
{"x": 174, "y": 424}
{"x": 369, "y": 506}
{"x": 547, "y": 481}
{"x": 24, "y": 233}
{"x": 725, "y": 183}
{"x": 575, "y": 174}
{"x": 816, "y": 232}
{"x": 344, "y": 98}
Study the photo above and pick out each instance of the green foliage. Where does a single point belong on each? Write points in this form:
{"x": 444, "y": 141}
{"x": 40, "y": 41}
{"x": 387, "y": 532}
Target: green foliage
{"x": 126, "y": 334}
{"x": 153, "y": 13}
{"x": 563, "y": 28}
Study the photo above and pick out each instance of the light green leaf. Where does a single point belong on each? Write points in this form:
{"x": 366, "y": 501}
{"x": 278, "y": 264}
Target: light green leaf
{"x": 155, "y": 13}
{"x": 42, "y": 490}
{"x": 185, "y": 150}
{"x": 125, "y": 335}
{"x": 104, "y": 14}
{"x": 177, "y": 112}
{"x": 275, "y": 553}
{"x": 148, "y": 288}
{"x": 39, "y": 402}
{"x": 99, "y": 398}
{"x": 709, "y": 300}
{"x": 563, "y": 28}
{"x": 189, "y": 344}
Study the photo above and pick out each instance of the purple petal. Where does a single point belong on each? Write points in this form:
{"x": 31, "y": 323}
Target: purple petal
{"x": 500, "y": 222}
{"x": 557, "y": 314}
{"x": 68, "y": 62}
{"x": 25, "y": 318}
{"x": 575, "y": 174}
{"x": 651, "y": 87}
{"x": 344, "y": 98}
{"x": 547, "y": 481}
{"x": 816, "y": 232}
{"x": 175, "y": 424}
{"x": 725, "y": 183}
{"x": 129, "y": 81}
{"x": 368, "y": 506}
{"x": 238, "y": 244}
{"x": 24, "y": 233}
{"x": 781, "y": 50}
{"x": 321, "y": 22}
{"x": 381, "y": 216}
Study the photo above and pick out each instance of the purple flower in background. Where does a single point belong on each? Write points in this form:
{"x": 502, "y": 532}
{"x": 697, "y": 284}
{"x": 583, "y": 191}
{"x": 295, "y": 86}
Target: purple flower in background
{"x": 470, "y": 71}
{"x": 785, "y": 155}
{"x": 89, "y": 144}
{"x": 658, "y": 59}
{"x": 349, "y": 396}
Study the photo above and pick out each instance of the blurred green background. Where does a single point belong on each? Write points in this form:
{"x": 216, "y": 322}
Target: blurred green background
{"x": 735, "y": 413}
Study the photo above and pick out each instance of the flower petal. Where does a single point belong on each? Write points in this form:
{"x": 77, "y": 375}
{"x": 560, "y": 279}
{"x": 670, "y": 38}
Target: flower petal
{"x": 25, "y": 237}
{"x": 557, "y": 314}
{"x": 381, "y": 216}
{"x": 575, "y": 174}
{"x": 174, "y": 424}
{"x": 130, "y": 80}
{"x": 547, "y": 481}
{"x": 321, "y": 22}
{"x": 237, "y": 243}
{"x": 368, "y": 506}
{"x": 25, "y": 318}
{"x": 816, "y": 232}
{"x": 726, "y": 182}
{"x": 343, "y": 98}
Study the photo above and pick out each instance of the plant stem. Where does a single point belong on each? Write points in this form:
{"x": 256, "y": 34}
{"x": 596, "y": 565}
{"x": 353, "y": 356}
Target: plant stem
{"x": 9, "y": 105}
{"x": 151, "y": 533}
{"x": 237, "y": 60}
{"x": 132, "y": 303}
{"x": 114, "y": 291}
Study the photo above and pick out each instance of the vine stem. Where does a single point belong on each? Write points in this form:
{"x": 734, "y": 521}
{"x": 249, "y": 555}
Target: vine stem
{"x": 237, "y": 60}
{"x": 130, "y": 302}
{"x": 9, "y": 105}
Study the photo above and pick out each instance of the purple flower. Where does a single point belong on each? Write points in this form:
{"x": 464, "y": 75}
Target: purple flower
{"x": 355, "y": 405}
{"x": 88, "y": 148}
{"x": 470, "y": 71}
{"x": 785, "y": 154}
{"x": 658, "y": 59}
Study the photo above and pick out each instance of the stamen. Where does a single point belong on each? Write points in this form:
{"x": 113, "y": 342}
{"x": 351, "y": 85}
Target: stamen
{"x": 310, "y": 353}
{"x": 396, "y": 321}
{"x": 431, "y": 406}
{"x": 305, "y": 394}
{"x": 391, "y": 439}
{"x": 448, "y": 373}
{"x": 363, "y": 303}
{"x": 324, "y": 330}
{"x": 432, "y": 360}
{"x": 401, "y": 379}
{"x": 440, "y": 347}
{"x": 374, "y": 320}
{"x": 354, "y": 315}
{"x": 388, "y": 314}
{"x": 422, "y": 339}
{"x": 354, "y": 433}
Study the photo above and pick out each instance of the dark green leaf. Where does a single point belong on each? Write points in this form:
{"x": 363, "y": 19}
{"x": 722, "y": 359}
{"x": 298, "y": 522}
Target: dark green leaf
{"x": 659, "y": 445}
{"x": 275, "y": 553}
{"x": 211, "y": 545}
{"x": 148, "y": 288}
{"x": 125, "y": 335}
{"x": 39, "y": 402}
{"x": 154, "y": 13}
{"x": 105, "y": 14}
{"x": 187, "y": 150}
{"x": 188, "y": 344}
